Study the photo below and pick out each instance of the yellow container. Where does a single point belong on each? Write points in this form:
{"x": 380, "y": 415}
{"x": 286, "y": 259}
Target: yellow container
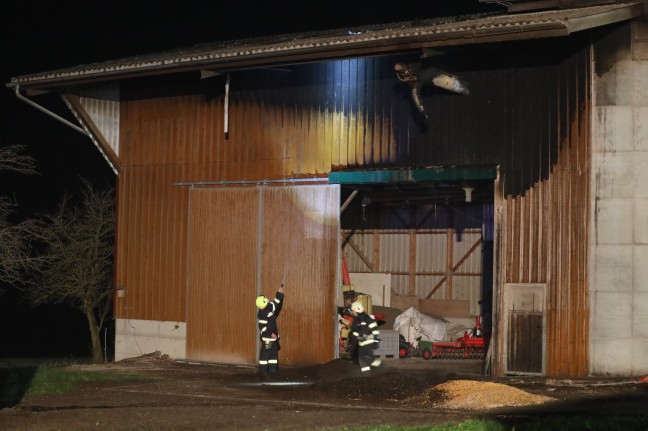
{"x": 366, "y": 301}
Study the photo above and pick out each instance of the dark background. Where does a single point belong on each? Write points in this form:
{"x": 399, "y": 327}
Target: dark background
{"x": 43, "y": 36}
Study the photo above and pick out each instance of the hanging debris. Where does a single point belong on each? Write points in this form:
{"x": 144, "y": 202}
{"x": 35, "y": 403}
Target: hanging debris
{"x": 417, "y": 75}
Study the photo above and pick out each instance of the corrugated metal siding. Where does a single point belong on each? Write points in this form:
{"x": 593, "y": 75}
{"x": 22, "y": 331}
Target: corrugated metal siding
{"x": 301, "y": 244}
{"x": 353, "y": 114}
{"x": 230, "y": 263}
{"x": 394, "y": 254}
{"x": 221, "y": 285}
{"x": 544, "y": 233}
{"x": 522, "y": 114}
{"x": 151, "y": 247}
{"x": 101, "y": 102}
{"x": 280, "y": 123}
{"x": 468, "y": 286}
{"x": 431, "y": 263}
{"x": 431, "y": 256}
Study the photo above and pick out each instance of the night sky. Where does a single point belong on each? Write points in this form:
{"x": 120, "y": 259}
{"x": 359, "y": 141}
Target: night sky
{"x": 43, "y": 36}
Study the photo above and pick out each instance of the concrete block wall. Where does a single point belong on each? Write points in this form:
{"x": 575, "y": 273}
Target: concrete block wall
{"x": 140, "y": 337}
{"x": 619, "y": 270}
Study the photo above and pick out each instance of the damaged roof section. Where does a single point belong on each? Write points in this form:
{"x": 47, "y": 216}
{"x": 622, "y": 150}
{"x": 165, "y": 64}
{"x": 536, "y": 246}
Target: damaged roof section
{"x": 342, "y": 43}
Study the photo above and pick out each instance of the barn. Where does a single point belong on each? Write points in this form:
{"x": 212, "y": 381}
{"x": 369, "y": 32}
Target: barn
{"x": 244, "y": 164}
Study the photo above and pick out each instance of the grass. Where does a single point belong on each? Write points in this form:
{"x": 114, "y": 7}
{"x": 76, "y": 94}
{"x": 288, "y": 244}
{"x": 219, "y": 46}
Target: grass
{"x": 471, "y": 425}
{"x": 54, "y": 379}
{"x": 19, "y": 378}
{"x": 556, "y": 423}
{"x": 580, "y": 423}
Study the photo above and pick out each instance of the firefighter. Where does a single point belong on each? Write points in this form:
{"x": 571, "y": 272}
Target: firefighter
{"x": 365, "y": 334}
{"x": 269, "y": 333}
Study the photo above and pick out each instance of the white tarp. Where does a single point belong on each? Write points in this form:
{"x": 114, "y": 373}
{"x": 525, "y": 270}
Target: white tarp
{"x": 455, "y": 327}
{"x": 412, "y": 324}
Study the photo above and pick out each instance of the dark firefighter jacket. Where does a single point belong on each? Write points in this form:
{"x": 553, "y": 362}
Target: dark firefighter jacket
{"x": 267, "y": 318}
{"x": 365, "y": 329}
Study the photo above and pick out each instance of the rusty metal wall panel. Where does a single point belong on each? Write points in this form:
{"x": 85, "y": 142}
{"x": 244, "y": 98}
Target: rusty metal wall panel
{"x": 354, "y": 114}
{"x": 151, "y": 245}
{"x": 290, "y": 235}
{"x": 221, "y": 286}
{"x": 310, "y": 121}
{"x": 300, "y": 243}
{"x": 544, "y": 232}
{"x": 280, "y": 124}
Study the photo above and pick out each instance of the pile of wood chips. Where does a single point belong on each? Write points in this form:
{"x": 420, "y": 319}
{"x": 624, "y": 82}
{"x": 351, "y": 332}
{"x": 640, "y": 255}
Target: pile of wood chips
{"x": 475, "y": 395}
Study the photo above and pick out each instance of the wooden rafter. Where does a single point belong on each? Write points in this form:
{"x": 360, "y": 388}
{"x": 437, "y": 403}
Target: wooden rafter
{"x": 361, "y": 255}
{"x": 454, "y": 268}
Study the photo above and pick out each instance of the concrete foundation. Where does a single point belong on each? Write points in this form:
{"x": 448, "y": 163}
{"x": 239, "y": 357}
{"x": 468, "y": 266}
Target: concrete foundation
{"x": 139, "y": 337}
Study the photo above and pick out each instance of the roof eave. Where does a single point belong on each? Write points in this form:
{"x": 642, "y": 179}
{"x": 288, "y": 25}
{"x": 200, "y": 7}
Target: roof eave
{"x": 327, "y": 48}
{"x": 630, "y": 11}
{"x": 300, "y": 55}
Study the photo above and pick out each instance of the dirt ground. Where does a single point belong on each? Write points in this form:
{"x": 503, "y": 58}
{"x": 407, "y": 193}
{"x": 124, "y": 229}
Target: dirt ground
{"x": 192, "y": 396}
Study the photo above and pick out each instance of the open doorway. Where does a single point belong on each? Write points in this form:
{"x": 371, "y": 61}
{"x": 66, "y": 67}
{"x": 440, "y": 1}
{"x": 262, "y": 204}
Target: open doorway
{"x": 427, "y": 239}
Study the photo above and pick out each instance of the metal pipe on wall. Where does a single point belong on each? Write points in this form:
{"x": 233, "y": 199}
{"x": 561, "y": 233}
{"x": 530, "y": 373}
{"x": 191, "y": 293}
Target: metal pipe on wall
{"x": 50, "y": 113}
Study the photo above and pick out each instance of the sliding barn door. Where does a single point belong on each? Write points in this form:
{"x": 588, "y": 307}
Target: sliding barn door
{"x": 246, "y": 241}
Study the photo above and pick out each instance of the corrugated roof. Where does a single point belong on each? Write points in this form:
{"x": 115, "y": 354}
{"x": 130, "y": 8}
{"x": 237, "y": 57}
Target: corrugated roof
{"x": 341, "y": 43}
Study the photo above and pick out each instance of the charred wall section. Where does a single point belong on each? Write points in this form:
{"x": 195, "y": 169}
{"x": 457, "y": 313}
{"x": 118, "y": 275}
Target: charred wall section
{"x": 356, "y": 114}
{"x": 543, "y": 235}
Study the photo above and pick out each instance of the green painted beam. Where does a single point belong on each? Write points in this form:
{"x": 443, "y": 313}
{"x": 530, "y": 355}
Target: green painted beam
{"x": 414, "y": 175}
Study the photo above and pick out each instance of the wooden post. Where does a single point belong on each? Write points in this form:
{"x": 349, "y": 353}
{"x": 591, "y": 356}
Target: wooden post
{"x": 376, "y": 260}
{"x": 412, "y": 262}
{"x": 450, "y": 265}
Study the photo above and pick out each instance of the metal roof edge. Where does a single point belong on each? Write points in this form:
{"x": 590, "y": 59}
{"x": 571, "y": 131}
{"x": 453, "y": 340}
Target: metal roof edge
{"x": 308, "y": 48}
{"x": 630, "y": 11}
{"x": 447, "y": 173}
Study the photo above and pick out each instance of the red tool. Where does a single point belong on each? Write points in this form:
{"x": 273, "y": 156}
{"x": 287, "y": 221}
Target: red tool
{"x": 346, "y": 280}
{"x": 473, "y": 345}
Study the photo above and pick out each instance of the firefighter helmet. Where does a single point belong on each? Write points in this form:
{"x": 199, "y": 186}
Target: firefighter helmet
{"x": 261, "y": 302}
{"x": 357, "y": 307}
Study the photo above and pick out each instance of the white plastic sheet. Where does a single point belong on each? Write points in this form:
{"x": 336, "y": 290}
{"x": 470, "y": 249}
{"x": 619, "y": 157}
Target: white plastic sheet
{"x": 456, "y": 327}
{"x": 412, "y": 324}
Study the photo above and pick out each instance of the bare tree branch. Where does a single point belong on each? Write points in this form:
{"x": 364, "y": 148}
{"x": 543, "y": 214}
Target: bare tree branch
{"x": 15, "y": 252}
{"x": 12, "y": 159}
{"x": 62, "y": 257}
{"x": 75, "y": 265}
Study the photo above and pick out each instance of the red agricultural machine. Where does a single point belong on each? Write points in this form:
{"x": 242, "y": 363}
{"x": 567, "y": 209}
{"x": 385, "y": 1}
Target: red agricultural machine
{"x": 472, "y": 345}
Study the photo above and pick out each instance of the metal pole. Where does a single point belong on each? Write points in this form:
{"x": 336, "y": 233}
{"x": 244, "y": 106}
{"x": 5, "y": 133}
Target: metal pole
{"x": 253, "y": 182}
{"x": 51, "y": 114}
